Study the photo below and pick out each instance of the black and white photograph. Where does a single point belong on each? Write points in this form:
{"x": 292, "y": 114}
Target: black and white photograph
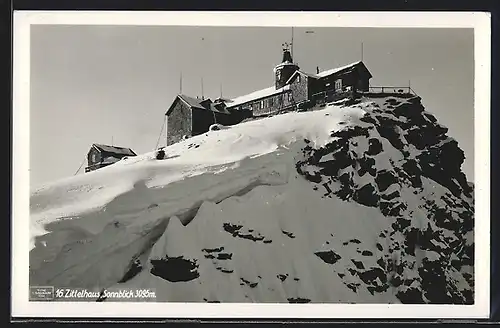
{"x": 269, "y": 160}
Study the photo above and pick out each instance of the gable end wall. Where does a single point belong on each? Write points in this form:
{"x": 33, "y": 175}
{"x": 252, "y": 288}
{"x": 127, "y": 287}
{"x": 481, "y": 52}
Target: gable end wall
{"x": 179, "y": 123}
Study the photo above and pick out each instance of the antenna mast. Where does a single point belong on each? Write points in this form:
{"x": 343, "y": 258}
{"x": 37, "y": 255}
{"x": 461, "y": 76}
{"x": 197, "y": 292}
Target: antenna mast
{"x": 202, "y": 96}
{"x": 292, "y": 46}
{"x": 221, "y": 90}
{"x": 361, "y": 51}
{"x": 180, "y": 84}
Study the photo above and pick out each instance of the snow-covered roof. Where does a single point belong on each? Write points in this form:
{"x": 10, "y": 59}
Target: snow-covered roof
{"x": 204, "y": 104}
{"x": 272, "y": 90}
{"x": 336, "y": 70}
{"x": 300, "y": 72}
{"x": 192, "y": 102}
{"x": 324, "y": 73}
{"x": 221, "y": 99}
{"x": 257, "y": 95}
{"x": 115, "y": 150}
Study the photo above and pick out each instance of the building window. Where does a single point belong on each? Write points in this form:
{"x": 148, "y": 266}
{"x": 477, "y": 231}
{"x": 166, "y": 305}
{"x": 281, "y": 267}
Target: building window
{"x": 298, "y": 78}
{"x": 261, "y": 104}
{"x": 338, "y": 85}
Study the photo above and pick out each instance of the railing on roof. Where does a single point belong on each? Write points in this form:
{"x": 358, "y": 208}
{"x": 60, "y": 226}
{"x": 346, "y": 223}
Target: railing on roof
{"x": 391, "y": 90}
{"x": 331, "y": 95}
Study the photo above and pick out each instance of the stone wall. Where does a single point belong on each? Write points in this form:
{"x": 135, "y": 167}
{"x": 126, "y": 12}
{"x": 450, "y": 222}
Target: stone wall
{"x": 179, "y": 123}
{"x": 299, "y": 88}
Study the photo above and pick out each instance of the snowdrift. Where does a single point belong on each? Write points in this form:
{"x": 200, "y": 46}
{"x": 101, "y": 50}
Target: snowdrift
{"x": 350, "y": 203}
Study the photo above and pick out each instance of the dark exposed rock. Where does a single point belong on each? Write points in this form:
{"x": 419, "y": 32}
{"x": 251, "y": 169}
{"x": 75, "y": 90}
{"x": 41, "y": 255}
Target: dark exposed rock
{"x": 353, "y": 286}
{"x": 135, "y": 269}
{"x": 213, "y": 301}
{"x": 366, "y": 253}
{"x": 282, "y": 277}
{"x": 235, "y": 231}
{"x": 358, "y": 264}
{"x": 412, "y": 170}
{"x": 377, "y": 289}
{"x": 384, "y": 179}
{"x": 175, "y": 269}
{"x": 442, "y": 164}
{"x": 338, "y": 166}
{"x": 250, "y": 237}
{"x": 390, "y": 196}
{"x": 401, "y": 224}
{"x": 392, "y": 208}
{"x": 366, "y": 165}
{"x": 249, "y": 283}
{"x": 381, "y": 263}
{"x": 369, "y": 119}
{"x": 298, "y": 300}
{"x": 370, "y": 276}
{"x": 232, "y": 228}
{"x": 411, "y": 241}
{"x": 329, "y": 257}
{"x": 224, "y": 270}
{"x": 374, "y": 147}
{"x": 213, "y": 250}
{"x": 351, "y": 131}
{"x": 224, "y": 256}
{"x": 410, "y": 296}
{"x": 388, "y": 132}
{"x": 289, "y": 234}
{"x": 367, "y": 196}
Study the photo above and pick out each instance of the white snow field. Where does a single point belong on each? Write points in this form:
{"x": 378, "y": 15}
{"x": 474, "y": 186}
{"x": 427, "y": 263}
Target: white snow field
{"x": 266, "y": 211}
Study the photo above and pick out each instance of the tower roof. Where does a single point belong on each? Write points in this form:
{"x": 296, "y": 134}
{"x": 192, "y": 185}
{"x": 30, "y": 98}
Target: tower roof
{"x": 287, "y": 59}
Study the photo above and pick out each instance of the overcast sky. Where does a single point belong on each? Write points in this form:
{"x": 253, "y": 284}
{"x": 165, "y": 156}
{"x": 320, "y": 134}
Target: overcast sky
{"x": 94, "y": 84}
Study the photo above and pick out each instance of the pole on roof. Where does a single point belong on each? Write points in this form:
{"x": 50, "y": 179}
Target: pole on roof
{"x": 221, "y": 90}
{"x": 180, "y": 84}
{"x": 361, "y": 51}
{"x": 202, "y": 97}
{"x": 292, "y": 46}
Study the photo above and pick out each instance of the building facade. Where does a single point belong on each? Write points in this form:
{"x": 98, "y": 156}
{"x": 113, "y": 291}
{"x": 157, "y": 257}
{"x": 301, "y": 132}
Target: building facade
{"x": 188, "y": 117}
{"x": 293, "y": 89}
{"x": 103, "y": 155}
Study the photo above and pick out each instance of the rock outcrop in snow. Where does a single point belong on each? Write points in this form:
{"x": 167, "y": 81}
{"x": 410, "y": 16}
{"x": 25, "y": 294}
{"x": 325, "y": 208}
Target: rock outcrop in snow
{"x": 354, "y": 203}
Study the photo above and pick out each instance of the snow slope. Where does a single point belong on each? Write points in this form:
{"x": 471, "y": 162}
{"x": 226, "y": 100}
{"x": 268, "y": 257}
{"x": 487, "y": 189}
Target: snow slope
{"x": 362, "y": 202}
